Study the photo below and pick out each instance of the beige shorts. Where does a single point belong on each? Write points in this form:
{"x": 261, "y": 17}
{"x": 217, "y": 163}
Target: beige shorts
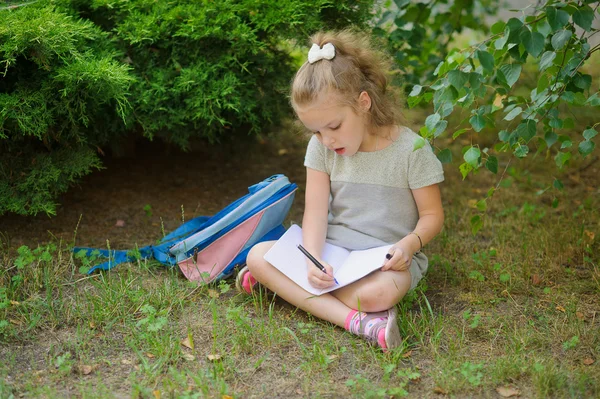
{"x": 418, "y": 268}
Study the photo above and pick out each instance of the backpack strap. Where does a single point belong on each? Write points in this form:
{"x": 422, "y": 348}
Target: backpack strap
{"x": 159, "y": 252}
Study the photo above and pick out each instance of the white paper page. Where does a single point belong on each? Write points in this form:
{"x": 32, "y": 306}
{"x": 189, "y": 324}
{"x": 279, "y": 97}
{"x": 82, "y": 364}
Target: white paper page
{"x": 360, "y": 263}
{"x": 287, "y": 258}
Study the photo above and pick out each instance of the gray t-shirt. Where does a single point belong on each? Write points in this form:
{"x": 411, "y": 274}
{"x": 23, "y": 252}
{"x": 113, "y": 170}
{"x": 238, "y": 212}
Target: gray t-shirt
{"x": 371, "y": 201}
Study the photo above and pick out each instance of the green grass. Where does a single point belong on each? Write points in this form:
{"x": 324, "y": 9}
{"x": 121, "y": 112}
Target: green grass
{"x": 514, "y": 306}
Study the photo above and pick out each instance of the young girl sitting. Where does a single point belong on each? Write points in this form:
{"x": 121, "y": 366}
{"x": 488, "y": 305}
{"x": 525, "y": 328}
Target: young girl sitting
{"x": 365, "y": 187}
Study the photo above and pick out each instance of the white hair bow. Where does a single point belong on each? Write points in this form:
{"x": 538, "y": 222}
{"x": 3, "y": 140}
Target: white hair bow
{"x": 316, "y": 53}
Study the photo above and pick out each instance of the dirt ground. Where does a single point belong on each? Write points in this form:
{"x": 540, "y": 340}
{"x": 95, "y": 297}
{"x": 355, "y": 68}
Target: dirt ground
{"x": 150, "y": 186}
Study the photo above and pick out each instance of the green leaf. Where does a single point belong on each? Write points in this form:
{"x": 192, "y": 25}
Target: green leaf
{"x": 418, "y": 143}
{"x": 558, "y": 184}
{"x": 416, "y": 90}
{"x": 546, "y": 60}
{"x": 431, "y": 121}
{"x": 594, "y": 100}
{"x": 543, "y": 83}
{"x": 589, "y": 134}
{"x": 476, "y": 224}
{"x": 586, "y": 147}
{"x": 584, "y": 17}
{"x": 521, "y": 151}
{"x": 513, "y": 114}
{"x": 478, "y": 122}
{"x": 582, "y": 81}
{"x": 561, "y": 158}
{"x": 498, "y": 27}
{"x": 527, "y": 129}
{"x": 401, "y": 3}
{"x": 533, "y": 41}
{"x": 511, "y": 73}
{"x": 472, "y": 156}
{"x": 560, "y": 38}
{"x": 481, "y": 205}
{"x": 503, "y": 135}
{"x": 500, "y": 43}
{"x": 486, "y": 59}
{"x": 457, "y": 79}
{"x": 557, "y": 18}
{"x": 550, "y": 138}
{"x": 439, "y": 128}
{"x": 556, "y": 123}
{"x": 458, "y": 133}
{"x": 465, "y": 168}
{"x": 445, "y": 156}
{"x": 492, "y": 164}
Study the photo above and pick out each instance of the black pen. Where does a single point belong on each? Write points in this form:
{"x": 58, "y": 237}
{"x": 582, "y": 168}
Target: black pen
{"x": 315, "y": 261}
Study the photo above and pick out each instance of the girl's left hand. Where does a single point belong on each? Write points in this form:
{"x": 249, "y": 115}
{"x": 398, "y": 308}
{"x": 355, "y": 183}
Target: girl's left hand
{"x": 400, "y": 260}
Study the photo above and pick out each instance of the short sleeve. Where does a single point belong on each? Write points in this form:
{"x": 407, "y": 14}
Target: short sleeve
{"x": 424, "y": 168}
{"x": 315, "y": 155}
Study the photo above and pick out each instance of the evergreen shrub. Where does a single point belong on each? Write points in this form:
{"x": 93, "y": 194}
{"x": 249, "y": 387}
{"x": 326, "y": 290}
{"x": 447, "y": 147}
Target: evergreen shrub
{"x": 63, "y": 95}
{"x": 79, "y": 75}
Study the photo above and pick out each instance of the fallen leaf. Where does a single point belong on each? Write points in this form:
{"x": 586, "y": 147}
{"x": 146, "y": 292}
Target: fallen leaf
{"x": 126, "y": 361}
{"x": 560, "y": 308}
{"x": 15, "y": 303}
{"x": 156, "y": 393}
{"x": 16, "y": 322}
{"x": 407, "y": 354}
{"x": 213, "y": 358}
{"x": 85, "y": 369}
{"x": 590, "y": 234}
{"x": 150, "y": 355}
{"x": 120, "y": 223}
{"x": 580, "y": 315}
{"x": 213, "y": 293}
{"x": 507, "y": 392}
{"x": 282, "y": 151}
{"x": 188, "y": 356}
{"x": 226, "y": 397}
{"x": 440, "y": 391}
{"x": 588, "y": 361}
{"x": 188, "y": 342}
{"x": 536, "y": 279}
{"x": 92, "y": 325}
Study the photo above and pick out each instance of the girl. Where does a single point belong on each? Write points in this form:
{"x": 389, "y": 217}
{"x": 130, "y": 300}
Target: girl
{"x": 365, "y": 187}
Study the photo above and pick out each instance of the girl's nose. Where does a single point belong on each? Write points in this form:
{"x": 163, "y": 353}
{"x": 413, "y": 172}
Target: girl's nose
{"x": 328, "y": 141}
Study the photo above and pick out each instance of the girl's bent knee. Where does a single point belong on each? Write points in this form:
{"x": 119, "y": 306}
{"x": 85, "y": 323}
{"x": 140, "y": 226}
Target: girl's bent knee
{"x": 375, "y": 301}
{"x": 255, "y": 260}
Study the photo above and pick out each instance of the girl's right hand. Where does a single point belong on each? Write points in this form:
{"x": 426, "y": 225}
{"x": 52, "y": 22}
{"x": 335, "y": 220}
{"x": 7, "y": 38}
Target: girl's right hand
{"x": 317, "y": 278}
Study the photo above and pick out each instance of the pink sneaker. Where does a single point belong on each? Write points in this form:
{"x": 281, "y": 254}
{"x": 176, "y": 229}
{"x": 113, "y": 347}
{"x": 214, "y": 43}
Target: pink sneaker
{"x": 244, "y": 281}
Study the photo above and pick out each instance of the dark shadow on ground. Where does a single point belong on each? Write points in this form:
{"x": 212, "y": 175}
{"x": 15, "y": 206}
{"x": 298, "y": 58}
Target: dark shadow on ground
{"x": 163, "y": 179}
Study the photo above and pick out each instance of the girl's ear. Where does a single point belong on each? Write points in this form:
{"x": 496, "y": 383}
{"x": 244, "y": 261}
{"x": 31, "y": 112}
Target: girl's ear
{"x": 364, "y": 101}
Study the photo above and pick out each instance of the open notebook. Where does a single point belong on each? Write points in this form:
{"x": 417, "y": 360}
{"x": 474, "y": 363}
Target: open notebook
{"x": 348, "y": 266}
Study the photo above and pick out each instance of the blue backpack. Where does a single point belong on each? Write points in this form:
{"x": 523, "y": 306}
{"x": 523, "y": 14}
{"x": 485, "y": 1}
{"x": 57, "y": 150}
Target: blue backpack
{"x": 208, "y": 248}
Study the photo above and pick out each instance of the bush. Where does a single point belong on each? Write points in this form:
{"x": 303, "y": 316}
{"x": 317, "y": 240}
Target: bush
{"x": 80, "y": 75}
{"x": 62, "y": 96}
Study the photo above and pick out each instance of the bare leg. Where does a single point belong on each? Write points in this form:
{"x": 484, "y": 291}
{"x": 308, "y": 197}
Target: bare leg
{"x": 325, "y": 306}
{"x": 378, "y": 291}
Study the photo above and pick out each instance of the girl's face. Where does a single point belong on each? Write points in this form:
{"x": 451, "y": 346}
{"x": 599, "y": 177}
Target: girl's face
{"x": 337, "y": 126}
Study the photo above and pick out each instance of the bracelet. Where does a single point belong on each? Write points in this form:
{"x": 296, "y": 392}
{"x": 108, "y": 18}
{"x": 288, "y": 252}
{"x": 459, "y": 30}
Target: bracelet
{"x": 420, "y": 242}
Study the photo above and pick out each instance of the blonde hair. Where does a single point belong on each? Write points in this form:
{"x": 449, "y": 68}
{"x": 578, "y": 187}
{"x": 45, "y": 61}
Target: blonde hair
{"x": 356, "y": 67}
